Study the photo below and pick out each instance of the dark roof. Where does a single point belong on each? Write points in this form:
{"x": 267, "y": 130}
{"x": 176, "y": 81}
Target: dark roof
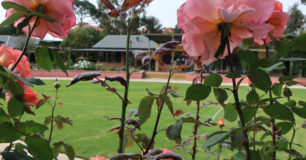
{"x": 118, "y": 42}
{"x": 163, "y": 38}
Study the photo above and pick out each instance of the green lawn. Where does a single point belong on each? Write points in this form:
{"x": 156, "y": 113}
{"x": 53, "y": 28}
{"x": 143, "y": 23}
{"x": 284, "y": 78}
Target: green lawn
{"x": 87, "y": 104}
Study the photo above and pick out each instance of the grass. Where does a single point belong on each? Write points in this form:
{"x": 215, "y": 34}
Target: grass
{"x": 87, "y": 104}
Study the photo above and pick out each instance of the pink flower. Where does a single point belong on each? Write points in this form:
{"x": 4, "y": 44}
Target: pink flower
{"x": 200, "y": 21}
{"x": 8, "y": 57}
{"x": 165, "y": 150}
{"x": 97, "y": 158}
{"x": 61, "y": 11}
{"x": 278, "y": 20}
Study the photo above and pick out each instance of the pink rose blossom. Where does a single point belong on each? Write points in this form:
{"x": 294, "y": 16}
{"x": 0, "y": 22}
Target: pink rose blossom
{"x": 200, "y": 20}
{"x": 97, "y": 158}
{"x": 8, "y": 57}
{"x": 61, "y": 11}
{"x": 278, "y": 20}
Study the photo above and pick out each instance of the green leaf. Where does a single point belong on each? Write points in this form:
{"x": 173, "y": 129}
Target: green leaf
{"x": 300, "y": 111}
{"x": 260, "y": 79}
{"x": 213, "y": 80}
{"x": 16, "y": 90}
{"x": 283, "y": 47}
{"x": 246, "y": 43}
{"x": 8, "y": 133}
{"x": 69, "y": 151}
{"x": 277, "y": 89}
{"x": 216, "y": 138}
{"x": 174, "y": 131}
{"x": 3, "y": 116}
{"x": 8, "y": 5}
{"x": 283, "y": 79}
{"x": 168, "y": 102}
{"x": 197, "y": 92}
{"x": 44, "y": 16}
{"x": 220, "y": 94}
{"x": 300, "y": 41}
{"x": 15, "y": 107}
{"x": 15, "y": 156}
{"x": 249, "y": 60}
{"x": 249, "y": 113}
{"x": 58, "y": 62}
{"x": 43, "y": 58}
{"x": 287, "y": 92}
{"x": 284, "y": 126}
{"x": 279, "y": 111}
{"x": 233, "y": 75}
{"x": 10, "y": 20}
{"x": 273, "y": 67}
{"x": 144, "y": 108}
{"x": 268, "y": 62}
{"x": 23, "y": 80}
{"x": 252, "y": 97}
{"x": 191, "y": 120}
{"x": 230, "y": 112}
{"x": 36, "y": 81}
{"x": 39, "y": 148}
{"x": 238, "y": 156}
{"x": 256, "y": 155}
{"x": 302, "y": 103}
{"x": 31, "y": 127}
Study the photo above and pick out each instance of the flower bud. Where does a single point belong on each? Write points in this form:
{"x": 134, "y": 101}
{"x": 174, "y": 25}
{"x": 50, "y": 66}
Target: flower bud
{"x": 57, "y": 85}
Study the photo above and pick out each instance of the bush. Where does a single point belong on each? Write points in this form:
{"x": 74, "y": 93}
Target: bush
{"x": 112, "y": 68}
{"x": 84, "y": 65}
{"x": 100, "y": 67}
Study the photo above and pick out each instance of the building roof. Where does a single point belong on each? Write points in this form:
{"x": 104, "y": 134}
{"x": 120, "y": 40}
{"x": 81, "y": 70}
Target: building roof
{"x": 164, "y": 38}
{"x": 138, "y": 42}
{"x": 16, "y": 41}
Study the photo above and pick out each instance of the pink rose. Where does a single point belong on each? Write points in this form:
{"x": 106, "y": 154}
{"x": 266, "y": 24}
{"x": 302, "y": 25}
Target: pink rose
{"x": 8, "y": 57}
{"x": 200, "y": 20}
{"x": 61, "y": 11}
{"x": 97, "y": 158}
{"x": 278, "y": 20}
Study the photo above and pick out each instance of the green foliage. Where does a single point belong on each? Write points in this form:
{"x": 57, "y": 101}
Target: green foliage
{"x": 80, "y": 37}
{"x": 168, "y": 102}
{"x": 249, "y": 113}
{"x": 8, "y": 133}
{"x": 213, "y": 80}
{"x": 197, "y": 92}
{"x": 279, "y": 111}
{"x": 144, "y": 108}
{"x": 230, "y": 112}
{"x": 39, "y": 148}
{"x": 260, "y": 79}
{"x": 252, "y": 97}
{"x": 300, "y": 41}
{"x": 285, "y": 127}
{"x": 31, "y": 127}
{"x": 282, "y": 47}
{"x": 249, "y": 61}
{"x": 174, "y": 131}
{"x": 15, "y": 107}
{"x": 220, "y": 94}
{"x": 296, "y": 21}
{"x": 215, "y": 138}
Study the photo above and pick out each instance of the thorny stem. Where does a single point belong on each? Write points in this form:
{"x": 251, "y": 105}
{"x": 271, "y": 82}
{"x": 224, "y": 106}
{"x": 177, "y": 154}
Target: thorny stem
{"x": 291, "y": 141}
{"x": 125, "y": 99}
{"x": 31, "y": 30}
{"x": 274, "y": 129}
{"x": 160, "y": 108}
{"x": 238, "y": 107}
{"x": 52, "y": 116}
{"x": 127, "y": 72}
{"x": 196, "y": 126}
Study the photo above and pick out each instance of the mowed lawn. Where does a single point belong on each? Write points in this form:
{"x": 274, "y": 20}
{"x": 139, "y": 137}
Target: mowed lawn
{"x": 87, "y": 104}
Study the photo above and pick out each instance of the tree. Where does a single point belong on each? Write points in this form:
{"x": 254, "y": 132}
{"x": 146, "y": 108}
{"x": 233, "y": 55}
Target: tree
{"x": 9, "y": 30}
{"x": 151, "y": 24}
{"x": 177, "y": 29}
{"x": 118, "y": 25}
{"x": 85, "y": 12}
{"x": 303, "y": 1}
{"x": 81, "y": 37}
{"x": 296, "y": 22}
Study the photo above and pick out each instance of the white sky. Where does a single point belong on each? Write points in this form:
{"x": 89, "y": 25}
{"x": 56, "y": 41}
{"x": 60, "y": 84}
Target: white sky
{"x": 165, "y": 10}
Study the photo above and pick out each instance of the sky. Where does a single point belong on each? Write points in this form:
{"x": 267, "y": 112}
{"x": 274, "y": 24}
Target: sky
{"x": 165, "y": 10}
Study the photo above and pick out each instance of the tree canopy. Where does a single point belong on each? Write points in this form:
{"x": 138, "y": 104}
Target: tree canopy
{"x": 296, "y": 22}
